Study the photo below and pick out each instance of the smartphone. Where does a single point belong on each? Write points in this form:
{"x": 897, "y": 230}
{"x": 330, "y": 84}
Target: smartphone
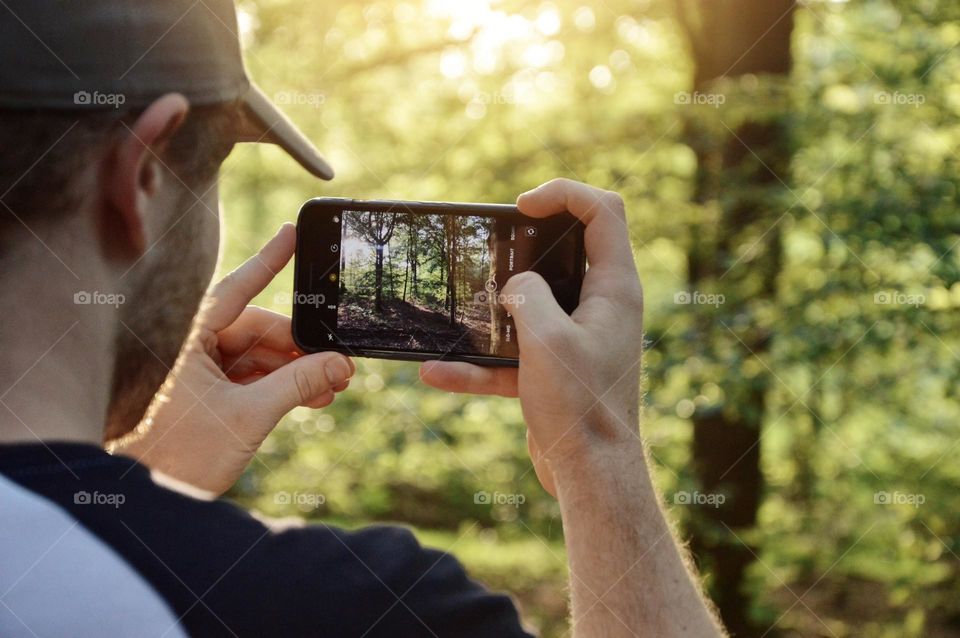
{"x": 423, "y": 280}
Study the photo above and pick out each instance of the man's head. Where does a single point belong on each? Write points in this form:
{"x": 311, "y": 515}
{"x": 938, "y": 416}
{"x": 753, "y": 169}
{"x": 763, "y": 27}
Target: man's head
{"x": 114, "y": 120}
{"x": 140, "y": 187}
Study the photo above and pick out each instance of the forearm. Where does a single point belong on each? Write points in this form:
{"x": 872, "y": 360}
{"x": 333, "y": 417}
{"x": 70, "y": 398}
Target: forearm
{"x": 627, "y": 572}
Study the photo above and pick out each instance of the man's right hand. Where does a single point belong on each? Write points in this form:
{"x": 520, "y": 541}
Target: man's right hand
{"x": 578, "y": 379}
{"x": 579, "y": 384}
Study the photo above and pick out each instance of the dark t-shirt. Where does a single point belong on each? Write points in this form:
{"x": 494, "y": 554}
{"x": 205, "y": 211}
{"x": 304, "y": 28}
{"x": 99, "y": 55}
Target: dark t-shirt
{"x": 223, "y": 572}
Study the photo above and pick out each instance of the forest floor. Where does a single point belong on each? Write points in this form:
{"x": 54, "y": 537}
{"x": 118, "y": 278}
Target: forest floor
{"x": 412, "y": 325}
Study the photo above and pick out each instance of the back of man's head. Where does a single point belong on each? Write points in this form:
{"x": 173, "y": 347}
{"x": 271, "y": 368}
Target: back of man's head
{"x": 114, "y": 119}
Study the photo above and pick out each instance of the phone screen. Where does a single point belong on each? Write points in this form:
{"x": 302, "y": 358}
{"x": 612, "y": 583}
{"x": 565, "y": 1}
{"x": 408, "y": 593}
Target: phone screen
{"x": 397, "y": 279}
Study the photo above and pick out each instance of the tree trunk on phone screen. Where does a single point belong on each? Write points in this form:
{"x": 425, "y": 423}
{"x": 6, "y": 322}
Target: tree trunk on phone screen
{"x": 393, "y": 293}
{"x": 378, "y": 279}
{"x": 413, "y": 246}
{"x": 377, "y": 228}
{"x": 406, "y": 274}
{"x": 740, "y": 174}
{"x": 450, "y": 225}
{"x": 440, "y": 242}
{"x": 491, "y": 290}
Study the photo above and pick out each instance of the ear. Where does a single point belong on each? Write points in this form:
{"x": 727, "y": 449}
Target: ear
{"x": 134, "y": 173}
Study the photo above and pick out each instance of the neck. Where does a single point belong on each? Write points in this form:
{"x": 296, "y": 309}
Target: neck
{"x": 56, "y": 357}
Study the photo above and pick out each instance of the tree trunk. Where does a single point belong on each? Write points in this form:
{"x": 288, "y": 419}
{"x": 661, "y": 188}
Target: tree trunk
{"x": 452, "y": 268}
{"x": 393, "y": 292}
{"x": 413, "y": 262}
{"x": 731, "y": 38}
{"x": 378, "y": 280}
{"x": 378, "y": 229}
{"x": 496, "y": 313}
{"x": 406, "y": 274}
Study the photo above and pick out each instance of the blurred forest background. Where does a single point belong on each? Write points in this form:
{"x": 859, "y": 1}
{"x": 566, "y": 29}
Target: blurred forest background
{"x": 790, "y": 173}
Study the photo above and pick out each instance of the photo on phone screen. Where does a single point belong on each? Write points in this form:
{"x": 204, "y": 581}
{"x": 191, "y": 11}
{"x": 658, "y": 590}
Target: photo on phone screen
{"x": 404, "y": 281}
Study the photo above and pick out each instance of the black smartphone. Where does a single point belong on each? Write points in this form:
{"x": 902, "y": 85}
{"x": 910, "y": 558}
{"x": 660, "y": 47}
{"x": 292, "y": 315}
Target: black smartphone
{"x": 423, "y": 280}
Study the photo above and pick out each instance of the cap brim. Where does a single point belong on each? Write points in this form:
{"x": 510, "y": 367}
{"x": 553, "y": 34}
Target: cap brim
{"x": 264, "y": 122}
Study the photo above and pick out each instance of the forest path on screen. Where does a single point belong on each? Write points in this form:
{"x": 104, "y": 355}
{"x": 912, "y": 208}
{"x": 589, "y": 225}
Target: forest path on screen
{"x": 410, "y": 325}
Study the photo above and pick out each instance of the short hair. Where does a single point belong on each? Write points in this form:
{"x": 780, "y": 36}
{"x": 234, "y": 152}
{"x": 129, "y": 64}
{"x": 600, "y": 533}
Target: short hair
{"x": 45, "y": 152}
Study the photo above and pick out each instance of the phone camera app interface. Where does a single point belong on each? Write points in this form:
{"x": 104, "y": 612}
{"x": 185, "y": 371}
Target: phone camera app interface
{"x": 434, "y": 283}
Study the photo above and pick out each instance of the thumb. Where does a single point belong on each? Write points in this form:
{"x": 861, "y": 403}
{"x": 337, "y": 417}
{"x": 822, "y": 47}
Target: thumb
{"x": 536, "y": 313}
{"x": 300, "y": 382}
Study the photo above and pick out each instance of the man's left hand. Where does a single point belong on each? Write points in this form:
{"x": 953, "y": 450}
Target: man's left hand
{"x": 238, "y": 374}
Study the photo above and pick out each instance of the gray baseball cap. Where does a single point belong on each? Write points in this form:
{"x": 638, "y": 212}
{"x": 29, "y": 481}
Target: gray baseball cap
{"x": 124, "y": 54}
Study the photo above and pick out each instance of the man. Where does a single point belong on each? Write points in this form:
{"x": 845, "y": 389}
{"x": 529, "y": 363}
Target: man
{"x": 114, "y": 119}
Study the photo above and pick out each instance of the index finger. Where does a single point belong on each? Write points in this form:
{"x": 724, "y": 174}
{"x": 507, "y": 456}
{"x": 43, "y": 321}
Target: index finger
{"x": 603, "y": 213}
{"x": 257, "y": 327}
{"x": 232, "y": 294}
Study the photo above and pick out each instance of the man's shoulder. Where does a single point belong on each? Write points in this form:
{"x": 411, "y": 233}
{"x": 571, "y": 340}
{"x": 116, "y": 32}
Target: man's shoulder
{"x": 224, "y": 571}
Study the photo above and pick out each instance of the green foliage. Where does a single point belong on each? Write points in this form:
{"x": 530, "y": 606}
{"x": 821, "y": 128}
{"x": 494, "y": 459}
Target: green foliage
{"x": 423, "y": 101}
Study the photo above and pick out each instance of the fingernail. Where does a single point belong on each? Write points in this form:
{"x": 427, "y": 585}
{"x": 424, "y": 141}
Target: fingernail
{"x": 338, "y": 371}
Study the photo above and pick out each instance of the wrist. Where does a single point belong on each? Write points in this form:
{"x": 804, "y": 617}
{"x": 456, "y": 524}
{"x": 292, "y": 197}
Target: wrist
{"x": 594, "y": 463}
{"x": 603, "y": 435}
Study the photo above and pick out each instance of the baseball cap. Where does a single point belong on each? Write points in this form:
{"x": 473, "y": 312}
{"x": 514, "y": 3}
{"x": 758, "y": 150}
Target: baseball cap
{"x": 124, "y": 54}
